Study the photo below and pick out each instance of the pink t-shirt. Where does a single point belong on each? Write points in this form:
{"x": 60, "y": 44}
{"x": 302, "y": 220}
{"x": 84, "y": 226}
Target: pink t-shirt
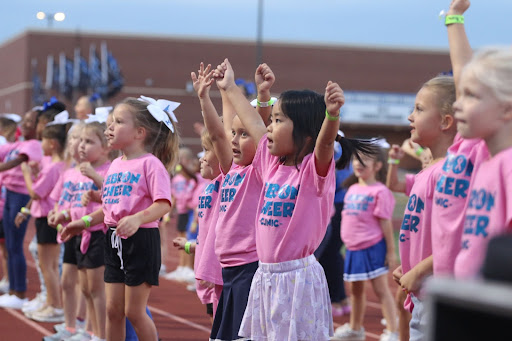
{"x": 3, "y": 193}
{"x": 13, "y": 178}
{"x": 362, "y": 209}
{"x": 48, "y": 176}
{"x": 206, "y": 265}
{"x": 415, "y": 241}
{"x": 450, "y": 199}
{"x": 488, "y": 213}
{"x": 294, "y": 208}
{"x": 182, "y": 190}
{"x": 235, "y": 242}
{"x": 131, "y": 186}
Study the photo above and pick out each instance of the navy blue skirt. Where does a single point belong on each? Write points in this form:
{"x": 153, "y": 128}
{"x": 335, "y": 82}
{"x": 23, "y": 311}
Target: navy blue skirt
{"x": 232, "y": 302}
{"x": 365, "y": 264}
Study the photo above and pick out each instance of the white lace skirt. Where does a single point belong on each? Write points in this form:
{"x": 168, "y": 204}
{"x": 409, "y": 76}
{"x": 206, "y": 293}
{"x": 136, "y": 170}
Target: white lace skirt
{"x": 288, "y": 301}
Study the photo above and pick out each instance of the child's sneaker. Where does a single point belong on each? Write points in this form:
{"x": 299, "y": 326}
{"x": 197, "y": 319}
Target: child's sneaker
{"x": 163, "y": 270}
{"x": 34, "y": 304}
{"x": 173, "y": 275}
{"x": 4, "y": 285}
{"x": 346, "y": 333}
{"x": 49, "y": 314}
{"x": 59, "y": 336}
{"x": 388, "y": 336}
{"x": 81, "y": 335}
{"x": 12, "y": 301}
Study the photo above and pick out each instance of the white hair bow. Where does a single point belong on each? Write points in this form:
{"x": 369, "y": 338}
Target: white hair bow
{"x": 161, "y": 110}
{"x": 13, "y": 117}
{"x": 62, "y": 118}
{"x": 382, "y": 143}
{"x": 100, "y": 115}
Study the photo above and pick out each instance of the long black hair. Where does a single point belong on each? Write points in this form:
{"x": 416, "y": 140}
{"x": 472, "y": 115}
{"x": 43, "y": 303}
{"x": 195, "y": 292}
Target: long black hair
{"x": 306, "y": 109}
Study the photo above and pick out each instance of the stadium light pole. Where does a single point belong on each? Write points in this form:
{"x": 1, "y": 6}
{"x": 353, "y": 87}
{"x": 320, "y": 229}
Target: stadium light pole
{"x": 259, "y": 34}
{"x": 50, "y": 17}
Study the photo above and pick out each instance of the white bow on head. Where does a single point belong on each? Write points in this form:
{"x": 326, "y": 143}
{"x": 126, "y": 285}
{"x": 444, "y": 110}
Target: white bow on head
{"x": 100, "y": 115}
{"x": 62, "y": 118}
{"x": 382, "y": 143}
{"x": 161, "y": 110}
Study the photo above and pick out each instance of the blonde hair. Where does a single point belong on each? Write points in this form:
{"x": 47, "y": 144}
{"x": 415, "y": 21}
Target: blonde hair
{"x": 492, "y": 66}
{"x": 98, "y": 129}
{"x": 206, "y": 140}
{"x": 444, "y": 88}
{"x": 160, "y": 141}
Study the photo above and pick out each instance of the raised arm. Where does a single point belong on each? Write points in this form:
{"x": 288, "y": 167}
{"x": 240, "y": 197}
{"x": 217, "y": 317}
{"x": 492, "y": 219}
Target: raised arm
{"x": 264, "y": 79}
{"x": 221, "y": 143}
{"x": 324, "y": 147}
{"x": 460, "y": 50}
{"x": 248, "y": 115}
{"x": 395, "y": 155}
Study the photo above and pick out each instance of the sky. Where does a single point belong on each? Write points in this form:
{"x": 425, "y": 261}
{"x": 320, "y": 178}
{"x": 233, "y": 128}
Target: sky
{"x": 380, "y": 23}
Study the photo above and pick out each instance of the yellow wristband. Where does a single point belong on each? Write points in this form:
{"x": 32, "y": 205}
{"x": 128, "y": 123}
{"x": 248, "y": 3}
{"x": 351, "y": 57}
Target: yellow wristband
{"x": 187, "y": 247}
{"x": 331, "y": 118}
{"x": 87, "y": 220}
{"x": 454, "y": 19}
{"x": 25, "y": 210}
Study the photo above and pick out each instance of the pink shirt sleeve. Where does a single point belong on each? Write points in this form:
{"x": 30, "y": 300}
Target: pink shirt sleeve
{"x": 32, "y": 149}
{"x": 385, "y": 203}
{"x": 47, "y": 179}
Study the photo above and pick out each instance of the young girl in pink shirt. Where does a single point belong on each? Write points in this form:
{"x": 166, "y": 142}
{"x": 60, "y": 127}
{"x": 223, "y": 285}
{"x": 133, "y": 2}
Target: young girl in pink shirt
{"x": 484, "y": 110}
{"x": 12, "y": 155}
{"x": 289, "y": 298}
{"x": 135, "y": 195}
{"x": 235, "y": 240}
{"x": 207, "y": 267}
{"x": 53, "y": 144}
{"x": 432, "y": 126}
{"x": 367, "y": 232}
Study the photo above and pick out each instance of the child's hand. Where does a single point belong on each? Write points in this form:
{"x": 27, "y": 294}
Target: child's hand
{"x": 52, "y": 215}
{"x": 458, "y": 7}
{"x": 87, "y": 170}
{"x": 19, "y": 219}
{"x": 203, "y": 81}
{"x": 334, "y": 98}
{"x": 396, "y": 152}
{"x": 224, "y": 75}
{"x": 264, "y": 78}
{"x": 410, "y": 281}
{"x": 34, "y": 167}
{"x": 179, "y": 242}
{"x": 127, "y": 226}
{"x": 90, "y": 196}
{"x": 72, "y": 229}
{"x": 207, "y": 284}
{"x": 397, "y": 274}
{"x": 25, "y": 168}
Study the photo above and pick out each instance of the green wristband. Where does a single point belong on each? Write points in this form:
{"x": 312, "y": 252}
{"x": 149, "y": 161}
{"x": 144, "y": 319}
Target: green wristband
{"x": 393, "y": 161}
{"x": 419, "y": 151}
{"x": 331, "y": 118}
{"x": 454, "y": 19}
{"x": 25, "y": 210}
{"x": 87, "y": 220}
{"x": 59, "y": 227}
{"x": 266, "y": 104}
{"x": 187, "y": 247}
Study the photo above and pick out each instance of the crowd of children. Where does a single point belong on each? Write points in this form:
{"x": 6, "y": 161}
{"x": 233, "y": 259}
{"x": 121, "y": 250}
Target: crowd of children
{"x": 253, "y": 210}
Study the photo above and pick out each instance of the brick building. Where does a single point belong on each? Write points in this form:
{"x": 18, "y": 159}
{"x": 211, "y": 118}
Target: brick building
{"x": 160, "y": 67}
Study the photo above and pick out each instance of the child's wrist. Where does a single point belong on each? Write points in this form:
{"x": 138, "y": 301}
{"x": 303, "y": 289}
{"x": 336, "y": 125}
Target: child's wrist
{"x": 393, "y": 161}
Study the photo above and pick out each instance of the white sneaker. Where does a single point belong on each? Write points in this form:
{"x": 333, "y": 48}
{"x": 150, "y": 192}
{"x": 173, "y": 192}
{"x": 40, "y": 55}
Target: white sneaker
{"x": 12, "y": 301}
{"x": 388, "y": 336}
{"x": 81, "y": 335}
{"x": 191, "y": 287}
{"x": 163, "y": 271}
{"x": 346, "y": 333}
{"x": 4, "y": 285}
{"x": 48, "y": 314}
{"x": 188, "y": 276}
{"x": 35, "y": 304}
{"x": 61, "y": 326}
{"x": 173, "y": 275}
{"x": 59, "y": 336}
